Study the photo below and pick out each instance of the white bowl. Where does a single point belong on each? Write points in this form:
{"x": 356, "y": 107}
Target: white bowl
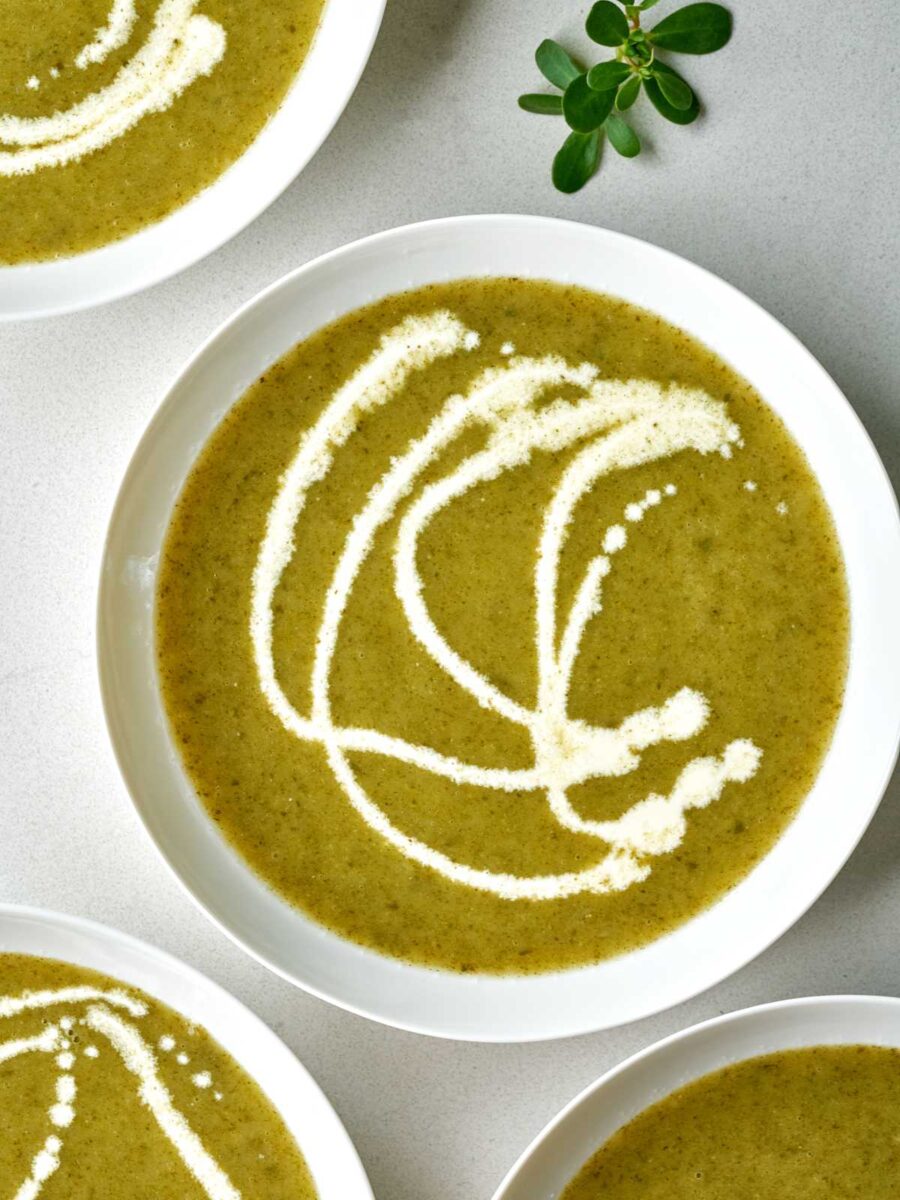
{"x": 556, "y": 1154}
{"x": 329, "y": 1153}
{"x": 713, "y": 944}
{"x": 316, "y": 99}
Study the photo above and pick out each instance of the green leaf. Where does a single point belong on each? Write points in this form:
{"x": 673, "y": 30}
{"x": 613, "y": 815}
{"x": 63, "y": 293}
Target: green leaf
{"x": 622, "y": 136}
{"x": 576, "y": 161}
{"x": 680, "y": 116}
{"x": 697, "y": 29}
{"x": 555, "y": 64}
{"x": 646, "y": 4}
{"x": 628, "y": 93}
{"x": 674, "y": 88}
{"x": 607, "y": 24}
{"x": 608, "y": 75}
{"x": 585, "y": 109}
{"x": 537, "y": 102}
{"x": 637, "y": 48}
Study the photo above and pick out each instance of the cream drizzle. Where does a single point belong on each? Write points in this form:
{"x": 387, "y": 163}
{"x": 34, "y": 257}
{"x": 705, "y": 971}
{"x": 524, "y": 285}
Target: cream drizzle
{"x": 181, "y": 47}
{"x": 111, "y": 36}
{"x": 11, "y": 1006}
{"x": 617, "y": 425}
{"x": 44, "y": 1042}
{"x": 44, "y": 1164}
{"x": 137, "y": 1057}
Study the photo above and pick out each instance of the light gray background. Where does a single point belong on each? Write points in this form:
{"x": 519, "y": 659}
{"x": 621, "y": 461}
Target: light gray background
{"x": 786, "y": 188}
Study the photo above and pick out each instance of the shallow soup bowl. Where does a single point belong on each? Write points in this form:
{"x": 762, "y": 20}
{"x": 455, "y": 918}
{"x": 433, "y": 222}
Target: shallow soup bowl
{"x": 697, "y": 954}
{"x": 559, "y": 1151}
{"x": 320, "y": 92}
{"x": 316, "y": 1128}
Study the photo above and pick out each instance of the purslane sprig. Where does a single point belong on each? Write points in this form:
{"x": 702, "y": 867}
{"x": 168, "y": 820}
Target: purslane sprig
{"x": 592, "y": 101}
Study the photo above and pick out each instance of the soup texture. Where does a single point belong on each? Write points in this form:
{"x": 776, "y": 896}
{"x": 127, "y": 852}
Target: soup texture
{"x": 501, "y": 626}
{"x": 113, "y": 113}
{"x": 106, "y": 1092}
{"x": 818, "y": 1124}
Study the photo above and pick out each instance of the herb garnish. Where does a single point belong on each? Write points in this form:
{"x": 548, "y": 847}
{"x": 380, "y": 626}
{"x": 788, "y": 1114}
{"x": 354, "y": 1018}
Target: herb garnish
{"x": 592, "y": 100}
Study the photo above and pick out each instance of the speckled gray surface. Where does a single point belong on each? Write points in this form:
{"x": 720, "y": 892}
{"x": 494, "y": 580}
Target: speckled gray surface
{"x": 787, "y": 188}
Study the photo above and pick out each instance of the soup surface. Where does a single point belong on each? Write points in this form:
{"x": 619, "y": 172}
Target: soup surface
{"x": 106, "y": 1092}
{"x": 115, "y": 112}
{"x": 818, "y": 1124}
{"x": 501, "y": 627}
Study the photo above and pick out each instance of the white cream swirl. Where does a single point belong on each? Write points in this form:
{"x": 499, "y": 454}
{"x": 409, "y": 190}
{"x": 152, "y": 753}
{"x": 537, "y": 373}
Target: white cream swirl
{"x": 135, "y": 1055}
{"x": 616, "y": 425}
{"x": 181, "y": 47}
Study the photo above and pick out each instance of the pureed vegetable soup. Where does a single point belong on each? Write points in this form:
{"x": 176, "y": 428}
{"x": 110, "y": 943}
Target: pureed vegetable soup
{"x": 817, "y": 1124}
{"x": 106, "y": 1092}
{"x": 501, "y": 626}
{"x": 115, "y": 112}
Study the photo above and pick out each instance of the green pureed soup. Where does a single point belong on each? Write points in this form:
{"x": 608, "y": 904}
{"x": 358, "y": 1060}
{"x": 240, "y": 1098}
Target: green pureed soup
{"x": 501, "y": 626}
{"x": 113, "y": 113}
{"x": 818, "y": 1124}
{"x": 106, "y": 1092}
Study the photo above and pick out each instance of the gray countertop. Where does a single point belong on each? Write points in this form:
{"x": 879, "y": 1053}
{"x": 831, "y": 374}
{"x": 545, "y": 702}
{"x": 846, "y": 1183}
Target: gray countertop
{"x": 786, "y": 188}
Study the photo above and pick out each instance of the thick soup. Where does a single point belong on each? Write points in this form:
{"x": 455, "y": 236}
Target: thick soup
{"x": 501, "y": 626}
{"x": 115, "y": 112}
{"x": 819, "y": 1124}
{"x": 106, "y": 1092}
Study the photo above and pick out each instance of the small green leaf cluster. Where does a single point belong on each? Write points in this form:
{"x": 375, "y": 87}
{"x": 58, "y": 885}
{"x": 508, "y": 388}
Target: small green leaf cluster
{"x": 593, "y": 100}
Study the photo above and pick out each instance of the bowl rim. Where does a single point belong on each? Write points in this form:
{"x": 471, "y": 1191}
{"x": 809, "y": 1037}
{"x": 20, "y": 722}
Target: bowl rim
{"x": 99, "y": 934}
{"x": 138, "y": 250}
{"x": 691, "y": 986}
{"x": 722, "y": 1021}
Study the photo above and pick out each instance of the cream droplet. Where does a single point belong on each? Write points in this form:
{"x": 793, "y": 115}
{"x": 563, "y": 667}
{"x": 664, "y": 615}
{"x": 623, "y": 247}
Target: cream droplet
{"x": 614, "y": 539}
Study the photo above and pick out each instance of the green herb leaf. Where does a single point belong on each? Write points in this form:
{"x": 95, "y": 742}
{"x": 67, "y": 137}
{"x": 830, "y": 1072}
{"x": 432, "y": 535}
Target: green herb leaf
{"x": 555, "y": 64}
{"x": 697, "y": 29}
{"x": 638, "y": 50}
{"x": 608, "y": 75}
{"x": 680, "y": 116}
{"x": 628, "y": 93}
{"x": 576, "y": 161}
{"x": 585, "y": 109}
{"x": 537, "y": 102}
{"x": 674, "y": 88}
{"x": 592, "y": 100}
{"x": 622, "y": 136}
{"x": 607, "y": 24}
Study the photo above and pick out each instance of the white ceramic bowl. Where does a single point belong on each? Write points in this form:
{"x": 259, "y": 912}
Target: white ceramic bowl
{"x": 317, "y": 98}
{"x": 748, "y": 918}
{"x": 556, "y": 1154}
{"x": 328, "y": 1151}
